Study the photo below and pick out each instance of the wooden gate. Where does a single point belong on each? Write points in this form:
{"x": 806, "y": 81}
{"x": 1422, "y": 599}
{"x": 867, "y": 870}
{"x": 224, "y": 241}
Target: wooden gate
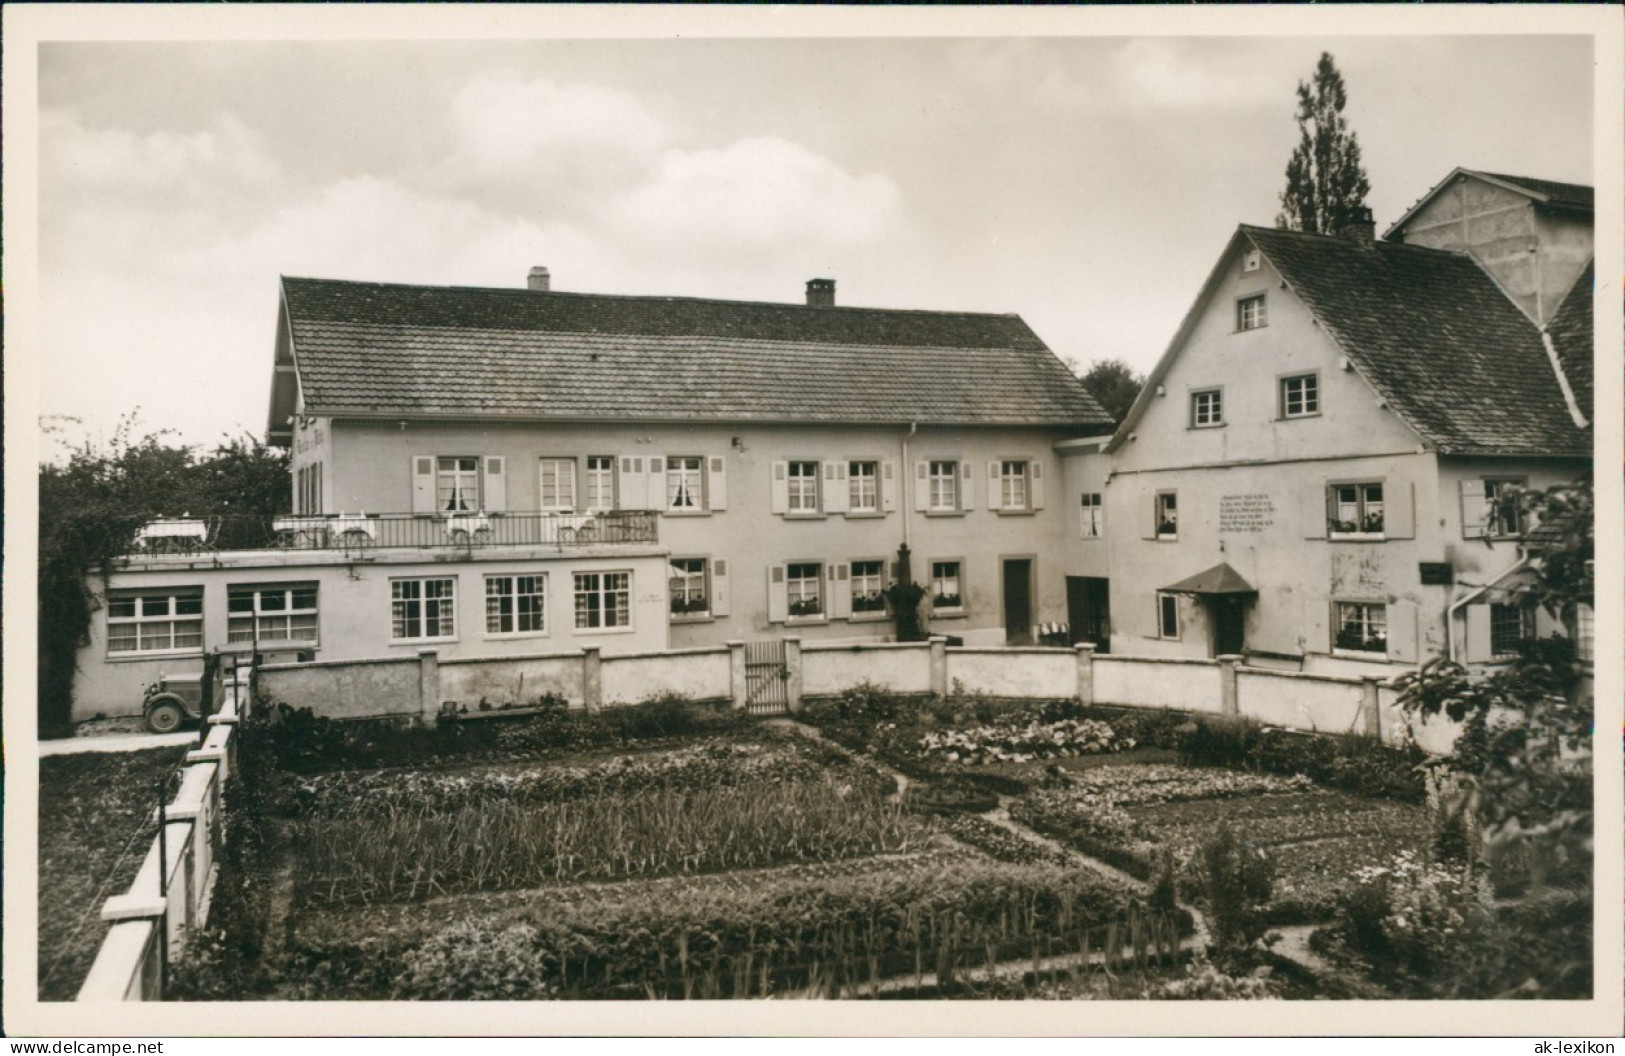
{"x": 767, "y": 678}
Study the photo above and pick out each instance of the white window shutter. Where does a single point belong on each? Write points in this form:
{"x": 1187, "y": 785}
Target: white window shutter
{"x": 719, "y": 587}
{"x": 634, "y": 485}
{"x": 1036, "y": 485}
{"x": 422, "y": 483}
{"x": 1401, "y": 618}
{"x": 716, "y": 483}
{"x": 496, "y": 484}
{"x": 781, "y": 488}
{"x": 1315, "y": 507}
{"x": 840, "y": 590}
{"x": 657, "y": 483}
{"x": 967, "y": 487}
{"x": 1475, "y": 511}
{"x": 1399, "y": 510}
{"x": 888, "y": 487}
{"x": 995, "y": 499}
{"x": 834, "y": 490}
{"x": 778, "y": 595}
{"x": 1479, "y": 646}
{"x": 922, "y": 486}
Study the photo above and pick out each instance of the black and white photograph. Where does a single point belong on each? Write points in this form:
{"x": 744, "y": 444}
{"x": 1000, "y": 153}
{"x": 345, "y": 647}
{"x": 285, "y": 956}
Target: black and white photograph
{"x": 545, "y": 516}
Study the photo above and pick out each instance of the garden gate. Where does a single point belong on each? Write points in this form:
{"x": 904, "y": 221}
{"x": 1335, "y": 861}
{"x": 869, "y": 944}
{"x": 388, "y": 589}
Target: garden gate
{"x": 767, "y": 678}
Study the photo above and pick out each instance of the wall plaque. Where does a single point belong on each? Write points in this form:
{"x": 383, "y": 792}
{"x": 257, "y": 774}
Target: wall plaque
{"x": 1246, "y": 513}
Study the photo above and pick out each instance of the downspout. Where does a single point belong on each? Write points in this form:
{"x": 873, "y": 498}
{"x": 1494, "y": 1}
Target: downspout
{"x": 905, "y": 474}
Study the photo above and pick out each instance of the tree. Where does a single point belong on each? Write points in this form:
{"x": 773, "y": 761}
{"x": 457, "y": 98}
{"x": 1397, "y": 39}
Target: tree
{"x": 1325, "y": 181}
{"x": 92, "y": 506}
{"x": 1114, "y": 385}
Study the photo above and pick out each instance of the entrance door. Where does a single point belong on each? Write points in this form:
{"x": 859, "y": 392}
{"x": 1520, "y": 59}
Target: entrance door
{"x": 1229, "y": 615}
{"x": 1088, "y": 609}
{"x": 1018, "y": 601}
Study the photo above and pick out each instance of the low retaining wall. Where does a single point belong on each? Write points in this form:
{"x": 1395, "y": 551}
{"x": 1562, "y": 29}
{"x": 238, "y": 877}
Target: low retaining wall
{"x": 169, "y": 897}
{"x": 418, "y": 687}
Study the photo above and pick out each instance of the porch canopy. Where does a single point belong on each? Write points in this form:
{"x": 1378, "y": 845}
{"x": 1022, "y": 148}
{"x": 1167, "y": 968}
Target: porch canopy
{"x": 1220, "y": 579}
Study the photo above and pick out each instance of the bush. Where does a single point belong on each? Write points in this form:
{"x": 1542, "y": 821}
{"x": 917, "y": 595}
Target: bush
{"x": 1353, "y": 762}
{"x": 1236, "y": 880}
{"x": 473, "y": 961}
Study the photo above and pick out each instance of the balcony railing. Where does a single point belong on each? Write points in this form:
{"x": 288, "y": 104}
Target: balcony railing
{"x": 352, "y": 533}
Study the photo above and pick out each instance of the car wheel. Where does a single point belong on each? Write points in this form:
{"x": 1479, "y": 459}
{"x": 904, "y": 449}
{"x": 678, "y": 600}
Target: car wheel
{"x": 164, "y": 718}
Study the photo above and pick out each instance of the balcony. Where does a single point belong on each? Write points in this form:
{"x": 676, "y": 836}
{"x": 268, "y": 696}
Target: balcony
{"x": 351, "y": 534}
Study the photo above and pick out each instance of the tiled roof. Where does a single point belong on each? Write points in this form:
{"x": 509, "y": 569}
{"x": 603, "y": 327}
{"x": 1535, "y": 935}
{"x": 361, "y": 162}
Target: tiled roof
{"x": 1569, "y": 194}
{"x": 365, "y": 348}
{"x": 1571, "y": 336}
{"x": 1447, "y": 350}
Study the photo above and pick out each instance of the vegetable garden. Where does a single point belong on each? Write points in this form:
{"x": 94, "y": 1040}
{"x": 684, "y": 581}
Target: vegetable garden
{"x": 897, "y": 848}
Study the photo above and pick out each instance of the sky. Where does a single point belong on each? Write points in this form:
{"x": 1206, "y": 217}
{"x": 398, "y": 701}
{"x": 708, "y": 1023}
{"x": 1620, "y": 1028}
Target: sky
{"x": 1086, "y": 184}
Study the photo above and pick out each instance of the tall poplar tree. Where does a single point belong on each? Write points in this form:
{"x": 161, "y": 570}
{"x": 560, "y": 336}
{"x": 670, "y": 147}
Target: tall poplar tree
{"x": 1324, "y": 178}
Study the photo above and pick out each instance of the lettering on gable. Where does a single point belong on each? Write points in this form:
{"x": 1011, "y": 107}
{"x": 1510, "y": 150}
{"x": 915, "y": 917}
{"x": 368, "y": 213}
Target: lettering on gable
{"x": 1246, "y": 513}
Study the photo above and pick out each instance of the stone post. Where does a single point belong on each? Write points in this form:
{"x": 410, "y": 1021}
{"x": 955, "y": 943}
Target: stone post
{"x": 1370, "y": 705}
{"x": 428, "y": 686}
{"x": 1086, "y": 672}
{"x": 592, "y": 678}
{"x": 1229, "y": 704}
{"x": 792, "y": 673}
{"x": 737, "y": 682}
{"x": 939, "y": 665}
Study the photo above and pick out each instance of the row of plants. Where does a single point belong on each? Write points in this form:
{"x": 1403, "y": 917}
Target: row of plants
{"x": 401, "y": 850}
{"x": 819, "y": 929}
{"x": 771, "y": 758}
{"x": 305, "y": 742}
{"x": 1023, "y": 742}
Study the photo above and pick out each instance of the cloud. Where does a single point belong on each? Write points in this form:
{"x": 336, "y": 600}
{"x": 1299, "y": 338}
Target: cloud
{"x": 755, "y": 198}
{"x": 1168, "y": 74}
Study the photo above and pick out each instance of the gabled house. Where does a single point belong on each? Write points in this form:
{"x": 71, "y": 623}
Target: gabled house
{"x": 1315, "y": 475}
{"x": 506, "y": 471}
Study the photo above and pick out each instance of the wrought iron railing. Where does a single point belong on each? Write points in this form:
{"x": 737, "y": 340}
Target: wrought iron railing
{"x": 396, "y": 531}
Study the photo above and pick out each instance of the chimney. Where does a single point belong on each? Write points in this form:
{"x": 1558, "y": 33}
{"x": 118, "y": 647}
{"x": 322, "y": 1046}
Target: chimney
{"x": 820, "y": 293}
{"x": 1358, "y": 226}
{"x": 539, "y": 280}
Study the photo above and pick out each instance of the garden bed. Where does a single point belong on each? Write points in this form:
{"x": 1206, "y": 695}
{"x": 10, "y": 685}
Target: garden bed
{"x": 96, "y": 822}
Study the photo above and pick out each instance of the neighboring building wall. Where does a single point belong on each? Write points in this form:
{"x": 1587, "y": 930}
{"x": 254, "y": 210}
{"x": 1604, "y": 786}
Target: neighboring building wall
{"x": 354, "y": 611}
{"x": 1533, "y": 252}
{"x": 1085, "y": 471}
{"x": 735, "y": 522}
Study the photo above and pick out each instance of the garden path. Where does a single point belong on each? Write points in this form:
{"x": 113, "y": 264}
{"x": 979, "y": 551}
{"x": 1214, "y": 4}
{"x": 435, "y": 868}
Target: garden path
{"x": 129, "y": 743}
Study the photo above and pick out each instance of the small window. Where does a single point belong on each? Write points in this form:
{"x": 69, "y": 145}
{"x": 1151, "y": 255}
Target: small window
{"x": 515, "y": 604}
{"x": 1167, "y": 616}
{"x": 1091, "y": 516}
{"x": 867, "y": 587}
{"x": 1300, "y": 396}
{"x": 1014, "y": 493}
{"x": 947, "y": 594}
{"x": 1585, "y": 634}
{"x": 155, "y": 622}
{"x": 1362, "y": 627}
{"x": 684, "y": 481}
{"x": 1509, "y": 625}
{"x": 423, "y": 609}
{"x": 603, "y": 600}
{"x": 1250, "y": 313}
{"x": 284, "y": 612}
{"x": 804, "y": 487}
{"x": 1504, "y": 517}
{"x": 863, "y": 482}
{"x": 457, "y": 483}
{"x": 1167, "y": 515}
{"x": 687, "y": 587}
{"x": 1355, "y": 510}
{"x": 804, "y": 586}
{"x": 600, "y": 482}
{"x": 1207, "y": 408}
{"x": 558, "y": 485}
{"x": 1252, "y": 260}
{"x": 944, "y": 483}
